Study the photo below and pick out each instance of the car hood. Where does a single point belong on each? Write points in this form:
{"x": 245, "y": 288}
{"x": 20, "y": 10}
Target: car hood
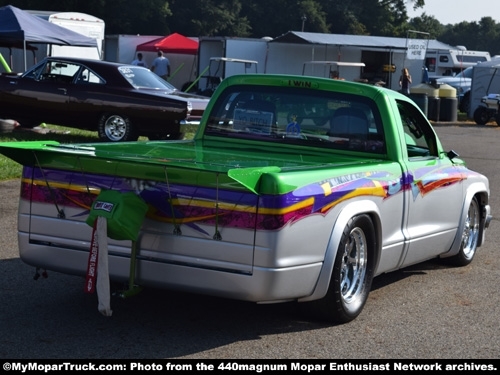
{"x": 454, "y": 81}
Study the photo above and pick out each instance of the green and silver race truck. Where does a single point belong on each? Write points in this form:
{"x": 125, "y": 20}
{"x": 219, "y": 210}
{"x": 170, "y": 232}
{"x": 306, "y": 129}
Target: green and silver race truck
{"x": 294, "y": 188}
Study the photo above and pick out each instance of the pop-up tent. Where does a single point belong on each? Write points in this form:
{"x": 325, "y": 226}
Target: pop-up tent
{"x": 182, "y": 53}
{"x": 18, "y": 26}
{"x": 173, "y": 43}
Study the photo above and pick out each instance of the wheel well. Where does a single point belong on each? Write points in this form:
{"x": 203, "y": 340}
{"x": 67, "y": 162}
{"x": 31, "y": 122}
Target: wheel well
{"x": 377, "y": 225}
{"x": 358, "y": 208}
{"x": 482, "y": 199}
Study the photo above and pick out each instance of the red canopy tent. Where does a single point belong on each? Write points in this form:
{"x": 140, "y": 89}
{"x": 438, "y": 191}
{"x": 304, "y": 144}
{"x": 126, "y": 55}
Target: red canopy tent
{"x": 174, "y": 43}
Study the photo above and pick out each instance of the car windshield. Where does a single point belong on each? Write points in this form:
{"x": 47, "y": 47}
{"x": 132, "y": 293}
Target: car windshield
{"x": 467, "y": 73}
{"x": 298, "y": 116}
{"x": 142, "y": 78}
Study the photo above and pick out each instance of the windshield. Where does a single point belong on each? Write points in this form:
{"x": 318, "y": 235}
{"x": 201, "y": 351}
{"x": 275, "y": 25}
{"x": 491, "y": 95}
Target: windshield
{"x": 298, "y": 116}
{"x": 141, "y": 78}
{"x": 467, "y": 73}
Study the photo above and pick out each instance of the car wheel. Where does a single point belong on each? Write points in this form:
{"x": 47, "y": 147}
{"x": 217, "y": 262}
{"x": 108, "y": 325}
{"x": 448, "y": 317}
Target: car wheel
{"x": 470, "y": 237}
{"x": 115, "y": 128}
{"x": 352, "y": 273}
{"x": 482, "y": 115}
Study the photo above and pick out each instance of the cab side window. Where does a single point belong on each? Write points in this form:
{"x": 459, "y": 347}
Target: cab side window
{"x": 419, "y": 136}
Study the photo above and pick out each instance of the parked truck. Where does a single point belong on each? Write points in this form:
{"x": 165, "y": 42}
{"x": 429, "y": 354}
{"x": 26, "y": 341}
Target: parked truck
{"x": 257, "y": 206}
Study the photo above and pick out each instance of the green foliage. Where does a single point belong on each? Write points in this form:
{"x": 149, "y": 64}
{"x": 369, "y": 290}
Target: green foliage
{"x": 259, "y": 18}
{"x": 208, "y": 17}
{"x": 427, "y": 23}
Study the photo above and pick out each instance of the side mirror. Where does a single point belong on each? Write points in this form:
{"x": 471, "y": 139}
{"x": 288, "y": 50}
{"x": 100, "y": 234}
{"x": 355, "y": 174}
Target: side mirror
{"x": 452, "y": 154}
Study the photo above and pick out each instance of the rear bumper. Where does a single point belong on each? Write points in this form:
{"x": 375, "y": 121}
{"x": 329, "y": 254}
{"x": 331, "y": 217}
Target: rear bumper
{"x": 262, "y": 285}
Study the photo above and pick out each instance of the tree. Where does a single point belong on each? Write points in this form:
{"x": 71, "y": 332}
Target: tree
{"x": 427, "y": 24}
{"x": 208, "y": 18}
{"x": 259, "y": 18}
{"x": 121, "y": 16}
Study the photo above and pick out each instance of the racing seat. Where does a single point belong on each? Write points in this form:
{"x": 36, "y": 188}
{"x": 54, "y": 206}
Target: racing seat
{"x": 350, "y": 123}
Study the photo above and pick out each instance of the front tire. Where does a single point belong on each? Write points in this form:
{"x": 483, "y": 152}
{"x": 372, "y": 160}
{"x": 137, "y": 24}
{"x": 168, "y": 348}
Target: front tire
{"x": 115, "y": 128}
{"x": 470, "y": 236}
{"x": 352, "y": 273}
{"x": 482, "y": 115}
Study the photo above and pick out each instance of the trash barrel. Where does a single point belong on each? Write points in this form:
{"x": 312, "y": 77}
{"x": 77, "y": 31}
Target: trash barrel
{"x": 449, "y": 103}
{"x": 434, "y": 107}
{"x": 421, "y": 101}
{"x": 430, "y": 91}
{"x": 448, "y": 109}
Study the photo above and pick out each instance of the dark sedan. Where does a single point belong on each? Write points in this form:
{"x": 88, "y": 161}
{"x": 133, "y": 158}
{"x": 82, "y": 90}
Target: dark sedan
{"x": 120, "y": 102}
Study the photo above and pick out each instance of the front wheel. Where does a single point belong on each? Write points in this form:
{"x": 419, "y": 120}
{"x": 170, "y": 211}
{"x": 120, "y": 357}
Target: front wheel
{"x": 470, "y": 235}
{"x": 352, "y": 273}
{"x": 115, "y": 128}
{"x": 482, "y": 115}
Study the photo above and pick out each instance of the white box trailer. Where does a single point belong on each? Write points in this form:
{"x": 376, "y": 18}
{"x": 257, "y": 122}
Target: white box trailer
{"x": 229, "y": 52}
{"x": 121, "y": 48}
{"x": 81, "y": 23}
{"x": 384, "y": 57}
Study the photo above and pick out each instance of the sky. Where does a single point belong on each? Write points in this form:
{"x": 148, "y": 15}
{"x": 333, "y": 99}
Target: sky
{"x": 456, "y": 11}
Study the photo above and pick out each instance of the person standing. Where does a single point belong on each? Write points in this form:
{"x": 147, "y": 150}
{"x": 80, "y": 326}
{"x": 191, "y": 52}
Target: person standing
{"x": 139, "y": 61}
{"x": 161, "y": 66}
{"x": 405, "y": 81}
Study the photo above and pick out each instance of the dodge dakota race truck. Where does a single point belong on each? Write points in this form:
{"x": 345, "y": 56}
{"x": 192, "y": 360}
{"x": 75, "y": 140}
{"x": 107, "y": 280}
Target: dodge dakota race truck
{"x": 294, "y": 189}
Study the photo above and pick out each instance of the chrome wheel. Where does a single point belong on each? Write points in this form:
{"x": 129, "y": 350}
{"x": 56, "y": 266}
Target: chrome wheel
{"x": 470, "y": 236}
{"x": 115, "y": 128}
{"x": 353, "y": 266}
{"x": 352, "y": 274}
{"x": 471, "y": 231}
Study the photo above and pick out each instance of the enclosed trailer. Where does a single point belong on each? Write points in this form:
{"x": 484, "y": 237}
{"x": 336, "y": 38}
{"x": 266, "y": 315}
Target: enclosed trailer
{"x": 121, "y": 48}
{"x": 82, "y": 23}
{"x": 485, "y": 81}
{"x": 229, "y": 52}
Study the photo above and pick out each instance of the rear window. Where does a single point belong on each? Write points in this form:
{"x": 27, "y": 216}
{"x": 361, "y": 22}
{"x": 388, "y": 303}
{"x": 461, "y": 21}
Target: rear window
{"x": 143, "y": 78}
{"x": 305, "y": 117}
